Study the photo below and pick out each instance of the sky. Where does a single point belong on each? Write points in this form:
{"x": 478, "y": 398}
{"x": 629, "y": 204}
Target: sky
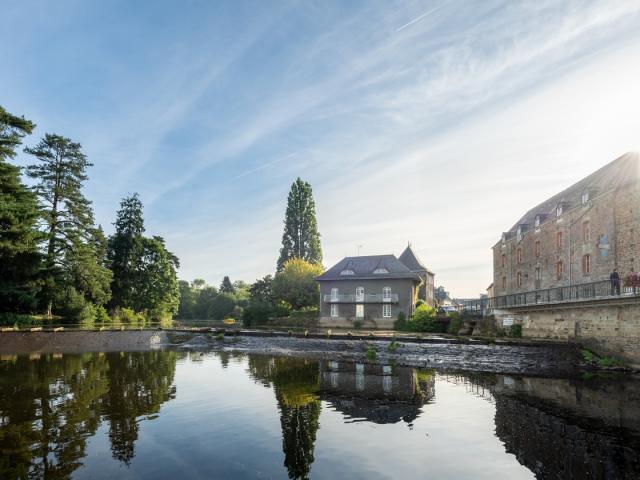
{"x": 435, "y": 123}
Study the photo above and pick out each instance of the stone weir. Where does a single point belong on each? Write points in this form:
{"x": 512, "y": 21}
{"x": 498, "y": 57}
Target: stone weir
{"x": 80, "y": 341}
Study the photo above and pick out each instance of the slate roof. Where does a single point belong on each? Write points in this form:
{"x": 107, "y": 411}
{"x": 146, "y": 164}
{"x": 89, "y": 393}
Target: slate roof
{"x": 621, "y": 171}
{"x": 364, "y": 266}
{"x": 412, "y": 262}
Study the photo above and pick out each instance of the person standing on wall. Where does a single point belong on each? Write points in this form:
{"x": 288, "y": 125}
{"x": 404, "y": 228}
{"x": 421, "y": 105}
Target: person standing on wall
{"x": 615, "y": 282}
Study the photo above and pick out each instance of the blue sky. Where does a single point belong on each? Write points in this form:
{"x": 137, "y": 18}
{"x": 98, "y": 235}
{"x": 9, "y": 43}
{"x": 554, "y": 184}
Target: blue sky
{"x": 431, "y": 122}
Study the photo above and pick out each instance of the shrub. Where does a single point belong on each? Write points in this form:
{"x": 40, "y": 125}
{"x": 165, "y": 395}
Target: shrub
{"x": 401, "y": 322}
{"x": 17, "y": 319}
{"x": 420, "y": 302}
{"x": 357, "y": 324}
{"x": 129, "y": 317}
{"x": 370, "y": 353}
{"x": 102, "y": 317}
{"x": 220, "y": 336}
{"x": 393, "y": 346}
{"x": 515, "y": 331}
{"x": 454, "y": 325}
{"x": 306, "y": 312}
{"x": 423, "y": 320}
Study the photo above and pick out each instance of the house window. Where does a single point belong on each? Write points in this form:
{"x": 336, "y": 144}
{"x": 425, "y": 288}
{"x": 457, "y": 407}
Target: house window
{"x": 586, "y": 231}
{"x": 559, "y": 210}
{"x": 334, "y": 295}
{"x": 503, "y": 260}
{"x": 504, "y": 283}
{"x": 334, "y": 310}
{"x": 519, "y": 255}
{"x": 386, "y": 311}
{"x": 360, "y": 294}
{"x": 503, "y": 240}
{"x": 386, "y": 294}
{"x": 536, "y": 223}
{"x": 585, "y": 197}
{"x": 586, "y": 264}
{"x": 359, "y": 311}
{"x": 537, "y": 274}
{"x": 379, "y": 271}
{"x": 559, "y": 270}
{"x": 519, "y": 233}
{"x": 519, "y": 279}
{"x": 347, "y": 272}
{"x": 536, "y": 248}
{"x": 559, "y": 241}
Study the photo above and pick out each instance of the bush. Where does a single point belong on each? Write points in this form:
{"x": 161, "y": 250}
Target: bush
{"x": 18, "y": 319}
{"x": 305, "y": 312}
{"x": 102, "y": 317}
{"x": 256, "y": 313}
{"x": 221, "y": 306}
{"x": 422, "y": 320}
{"x": 357, "y": 324}
{"x": 393, "y": 346}
{"x": 370, "y": 353}
{"x": 401, "y": 322}
{"x": 515, "y": 331}
{"x": 129, "y": 317}
{"x": 455, "y": 323}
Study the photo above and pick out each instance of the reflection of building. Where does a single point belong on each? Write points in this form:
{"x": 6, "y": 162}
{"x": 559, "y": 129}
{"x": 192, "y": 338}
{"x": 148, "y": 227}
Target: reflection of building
{"x": 374, "y": 289}
{"x": 577, "y": 236}
{"x": 376, "y": 393}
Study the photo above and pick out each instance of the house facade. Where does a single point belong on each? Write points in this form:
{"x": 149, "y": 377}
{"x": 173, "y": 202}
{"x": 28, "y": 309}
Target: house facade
{"x": 579, "y": 235}
{"x": 373, "y": 290}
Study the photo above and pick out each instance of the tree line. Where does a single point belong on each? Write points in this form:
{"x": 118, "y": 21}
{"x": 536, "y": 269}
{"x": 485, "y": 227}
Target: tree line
{"x": 291, "y": 290}
{"x": 55, "y": 260}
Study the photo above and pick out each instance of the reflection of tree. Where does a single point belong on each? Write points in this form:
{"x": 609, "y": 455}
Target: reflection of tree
{"x": 50, "y": 405}
{"x": 138, "y": 384}
{"x": 296, "y": 383}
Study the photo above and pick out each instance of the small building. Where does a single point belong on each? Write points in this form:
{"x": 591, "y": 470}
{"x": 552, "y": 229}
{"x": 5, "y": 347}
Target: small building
{"x": 373, "y": 289}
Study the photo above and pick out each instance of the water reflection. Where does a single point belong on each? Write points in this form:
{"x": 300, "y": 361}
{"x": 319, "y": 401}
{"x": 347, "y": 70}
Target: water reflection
{"x": 51, "y": 404}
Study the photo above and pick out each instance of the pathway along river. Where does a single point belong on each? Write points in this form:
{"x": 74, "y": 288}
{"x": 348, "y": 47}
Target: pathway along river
{"x": 215, "y": 414}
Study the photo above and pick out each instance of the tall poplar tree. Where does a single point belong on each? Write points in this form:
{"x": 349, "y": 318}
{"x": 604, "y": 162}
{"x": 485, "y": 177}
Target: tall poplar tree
{"x": 73, "y": 262}
{"x": 300, "y": 238}
{"x": 19, "y": 257}
{"x": 125, "y": 252}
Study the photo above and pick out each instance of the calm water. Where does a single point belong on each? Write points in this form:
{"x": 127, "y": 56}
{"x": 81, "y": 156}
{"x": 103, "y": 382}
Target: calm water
{"x": 168, "y": 414}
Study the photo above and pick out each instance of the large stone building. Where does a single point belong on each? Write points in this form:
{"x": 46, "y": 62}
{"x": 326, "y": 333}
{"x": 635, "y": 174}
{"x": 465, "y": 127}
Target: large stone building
{"x": 578, "y": 236}
{"x": 373, "y": 289}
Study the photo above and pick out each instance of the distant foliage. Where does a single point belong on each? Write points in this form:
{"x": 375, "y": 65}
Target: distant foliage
{"x": 300, "y": 238}
{"x": 422, "y": 320}
{"x": 296, "y": 285}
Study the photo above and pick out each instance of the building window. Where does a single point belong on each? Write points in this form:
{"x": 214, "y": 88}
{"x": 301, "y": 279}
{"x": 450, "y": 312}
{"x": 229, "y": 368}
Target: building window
{"x": 359, "y": 311}
{"x": 559, "y": 270}
{"x": 586, "y": 264}
{"x": 559, "y": 210}
{"x": 334, "y": 295}
{"x": 519, "y": 233}
{"x": 379, "y": 271}
{"x": 334, "y": 310}
{"x": 536, "y": 248}
{"x": 386, "y": 294}
{"x": 538, "y": 274}
{"x": 536, "y": 223}
{"x": 360, "y": 294}
{"x": 519, "y": 279}
{"x": 586, "y": 231}
{"x": 347, "y": 272}
{"x": 585, "y": 197}
{"x": 386, "y": 311}
{"x": 503, "y": 260}
{"x": 504, "y": 283}
{"x": 503, "y": 240}
{"x": 559, "y": 241}
{"x": 519, "y": 255}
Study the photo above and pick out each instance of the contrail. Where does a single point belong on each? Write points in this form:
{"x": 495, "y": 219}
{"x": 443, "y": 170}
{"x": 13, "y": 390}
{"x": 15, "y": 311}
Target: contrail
{"x": 420, "y": 17}
{"x": 263, "y": 166}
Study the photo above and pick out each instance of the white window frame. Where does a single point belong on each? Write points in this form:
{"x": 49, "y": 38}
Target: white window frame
{"x": 386, "y": 311}
{"x": 386, "y": 294}
{"x": 335, "y": 312}
{"x": 360, "y": 294}
{"x": 335, "y": 294}
{"x": 359, "y": 310}
{"x": 559, "y": 210}
{"x": 585, "y": 197}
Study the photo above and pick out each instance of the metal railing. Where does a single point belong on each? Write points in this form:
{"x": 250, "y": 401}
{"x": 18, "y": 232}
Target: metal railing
{"x": 564, "y": 294}
{"x": 365, "y": 298}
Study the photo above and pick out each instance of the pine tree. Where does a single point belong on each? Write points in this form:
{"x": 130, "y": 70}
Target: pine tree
{"x": 300, "y": 238}
{"x": 19, "y": 257}
{"x": 125, "y": 252}
{"x": 226, "y": 286}
{"x": 73, "y": 244}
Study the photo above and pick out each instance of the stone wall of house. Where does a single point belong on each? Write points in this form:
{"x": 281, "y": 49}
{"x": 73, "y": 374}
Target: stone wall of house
{"x": 607, "y": 229}
{"x": 608, "y": 326}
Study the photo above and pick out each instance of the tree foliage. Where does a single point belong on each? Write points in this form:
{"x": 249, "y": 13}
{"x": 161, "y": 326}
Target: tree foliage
{"x": 296, "y": 284}
{"x": 300, "y": 238}
{"x": 226, "y": 286}
{"x": 73, "y": 244}
{"x": 19, "y": 256}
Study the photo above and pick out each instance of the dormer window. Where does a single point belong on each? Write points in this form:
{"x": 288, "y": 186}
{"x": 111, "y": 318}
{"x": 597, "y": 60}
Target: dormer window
{"x": 519, "y": 233}
{"x": 380, "y": 271}
{"x": 537, "y": 221}
{"x": 347, "y": 272}
{"x": 504, "y": 239}
{"x": 559, "y": 210}
{"x": 585, "y": 197}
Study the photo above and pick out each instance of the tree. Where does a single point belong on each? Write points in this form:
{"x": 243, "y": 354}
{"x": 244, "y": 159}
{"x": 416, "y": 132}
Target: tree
{"x": 300, "y": 238}
{"x": 19, "y": 256}
{"x": 68, "y": 219}
{"x": 226, "y": 286}
{"x": 222, "y": 306}
{"x": 296, "y": 284}
{"x": 262, "y": 290}
{"x": 186, "y": 307}
{"x": 125, "y": 252}
{"x": 204, "y": 299}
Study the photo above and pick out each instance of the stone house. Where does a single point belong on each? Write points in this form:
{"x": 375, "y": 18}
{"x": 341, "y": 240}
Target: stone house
{"x": 579, "y": 235}
{"x": 373, "y": 289}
